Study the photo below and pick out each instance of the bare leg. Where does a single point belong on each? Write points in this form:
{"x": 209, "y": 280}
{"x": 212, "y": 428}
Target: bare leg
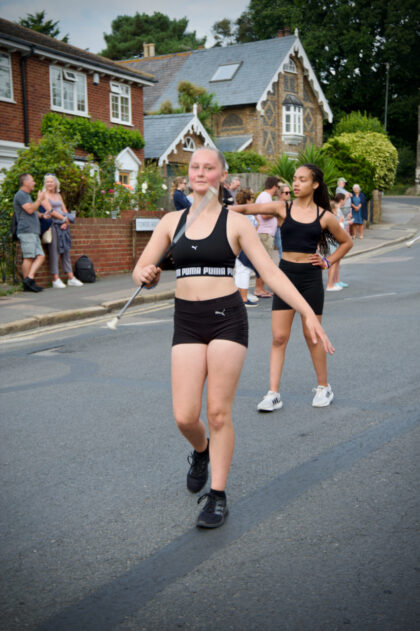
{"x": 331, "y": 280}
{"x": 189, "y": 371}
{"x": 26, "y": 266}
{"x": 36, "y": 264}
{"x": 318, "y": 356}
{"x": 281, "y": 323}
{"x": 224, "y": 362}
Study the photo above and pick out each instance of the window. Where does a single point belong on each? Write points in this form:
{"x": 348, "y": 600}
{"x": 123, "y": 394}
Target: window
{"x": 189, "y": 144}
{"x": 124, "y": 177}
{"x": 292, "y": 119}
{"x": 68, "y": 91}
{"x": 290, "y": 66}
{"x": 6, "y": 86}
{"x": 120, "y": 103}
{"x": 289, "y": 84}
{"x": 232, "y": 121}
{"x": 225, "y": 73}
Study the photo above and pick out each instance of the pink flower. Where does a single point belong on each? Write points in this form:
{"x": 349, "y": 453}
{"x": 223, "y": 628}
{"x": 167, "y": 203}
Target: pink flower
{"x": 111, "y": 190}
{"x": 103, "y": 192}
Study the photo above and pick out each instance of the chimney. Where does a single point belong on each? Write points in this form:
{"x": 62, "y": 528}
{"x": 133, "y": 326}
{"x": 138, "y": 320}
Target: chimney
{"x": 148, "y": 50}
{"x": 286, "y": 31}
{"x": 280, "y": 33}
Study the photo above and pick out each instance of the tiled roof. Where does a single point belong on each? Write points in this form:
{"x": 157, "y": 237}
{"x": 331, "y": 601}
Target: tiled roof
{"x": 259, "y": 62}
{"x": 232, "y": 143}
{"x": 160, "y": 131}
{"x": 163, "y": 68}
{"x": 15, "y": 33}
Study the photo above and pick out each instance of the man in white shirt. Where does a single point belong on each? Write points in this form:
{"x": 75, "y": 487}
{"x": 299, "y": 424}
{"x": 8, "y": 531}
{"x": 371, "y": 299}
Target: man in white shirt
{"x": 267, "y": 227}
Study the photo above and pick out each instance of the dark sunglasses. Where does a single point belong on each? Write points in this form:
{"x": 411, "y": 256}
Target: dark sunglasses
{"x": 285, "y": 192}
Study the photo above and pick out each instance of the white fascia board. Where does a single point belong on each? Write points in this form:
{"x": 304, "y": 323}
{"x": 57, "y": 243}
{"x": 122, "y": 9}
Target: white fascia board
{"x": 246, "y": 144}
{"x": 194, "y": 125}
{"x": 131, "y": 153}
{"x": 298, "y": 49}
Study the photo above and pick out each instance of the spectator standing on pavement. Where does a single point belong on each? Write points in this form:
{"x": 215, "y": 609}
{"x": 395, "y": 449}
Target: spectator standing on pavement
{"x": 181, "y": 202}
{"x": 61, "y": 240}
{"x": 346, "y": 209}
{"x": 243, "y": 266}
{"x": 307, "y": 228}
{"x": 29, "y": 230}
{"x": 235, "y": 185}
{"x": 267, "y": 227}
{"x": 284, "y": 195}
{"x": 356, "y": 211}
{"x": 334, "y": 283}
{"x": 210, "y": 322}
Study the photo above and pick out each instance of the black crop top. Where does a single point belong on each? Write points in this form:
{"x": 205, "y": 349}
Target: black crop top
{"x": 300, "y": 237}
{"x": 211, "y": 256}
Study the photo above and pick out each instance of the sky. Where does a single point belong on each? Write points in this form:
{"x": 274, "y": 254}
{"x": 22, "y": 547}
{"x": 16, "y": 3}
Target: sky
{"x": 86, "y": 20}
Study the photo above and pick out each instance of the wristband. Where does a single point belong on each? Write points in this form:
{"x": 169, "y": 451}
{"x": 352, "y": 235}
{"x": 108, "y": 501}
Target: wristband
{"x": 327, "y": 263}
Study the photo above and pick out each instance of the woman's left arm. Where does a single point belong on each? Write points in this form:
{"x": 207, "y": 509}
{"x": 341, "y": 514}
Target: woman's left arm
{"x": 330, "y": 223}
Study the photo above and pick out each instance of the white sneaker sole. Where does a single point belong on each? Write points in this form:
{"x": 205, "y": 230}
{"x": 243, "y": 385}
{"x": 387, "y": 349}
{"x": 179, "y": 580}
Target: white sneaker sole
{"x": 261, "y": 407}
{"x": 325, "y": 404}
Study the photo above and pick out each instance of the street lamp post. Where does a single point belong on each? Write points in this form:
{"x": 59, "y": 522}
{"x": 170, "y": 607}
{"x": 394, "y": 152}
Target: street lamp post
{"x": 386, "y": 95}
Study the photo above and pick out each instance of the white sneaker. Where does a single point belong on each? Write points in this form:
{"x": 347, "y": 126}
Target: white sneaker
{"x": 271, "y": 401}
{"x": 252, "y": 298}
{"x": 74, "y": 282}
{"x": 335, "y": 287}
{"x": 323, "y": 396}
{"x": 58, "y": 284}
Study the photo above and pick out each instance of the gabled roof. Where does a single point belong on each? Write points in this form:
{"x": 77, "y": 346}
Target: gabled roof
{"x": 163, "y": 133}
{"x": 19, "y": 37}
{"x": 259, "y": 66}
{"x": 232, "y": 143}
{"x": 163, "y": 68}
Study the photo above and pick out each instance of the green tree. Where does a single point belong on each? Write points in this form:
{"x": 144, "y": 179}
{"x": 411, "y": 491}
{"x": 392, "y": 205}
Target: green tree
{"x": 356, "y": 121}
{"x": 376, "y": 149}
{"x": 348, "y": 44}
{"x": 37, "y": 22}
{"x": 128, "y": 33}
{"x": 188, "y": 94}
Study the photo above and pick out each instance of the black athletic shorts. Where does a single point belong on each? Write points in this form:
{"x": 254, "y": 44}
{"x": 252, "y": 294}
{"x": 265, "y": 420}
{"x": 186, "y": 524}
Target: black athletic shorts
{"x": 201, "y": 321}
{"x": 307, "y": 279}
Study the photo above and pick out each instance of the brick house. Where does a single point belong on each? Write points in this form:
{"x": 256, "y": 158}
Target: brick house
{"x": 270, "y": 97}
{"x": 40, "y": 74}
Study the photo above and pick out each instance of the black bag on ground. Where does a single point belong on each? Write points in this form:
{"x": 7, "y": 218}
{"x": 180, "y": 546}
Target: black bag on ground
{"x": 84, "y": 270}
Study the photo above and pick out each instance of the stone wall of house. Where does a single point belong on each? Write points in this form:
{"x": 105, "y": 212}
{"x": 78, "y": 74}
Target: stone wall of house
{"x": 39, "y": 101}
{"x": 181, "y": 156}
{"x": 267, "y": 129}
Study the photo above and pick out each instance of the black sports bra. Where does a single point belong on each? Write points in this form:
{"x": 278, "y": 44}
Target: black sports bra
{"x": 211, "y": 256}
{"x": 300, "y": 237}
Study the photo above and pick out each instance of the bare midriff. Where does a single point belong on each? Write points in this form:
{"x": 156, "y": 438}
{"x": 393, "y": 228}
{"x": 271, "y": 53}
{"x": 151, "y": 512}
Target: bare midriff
{"x": 296, "y": 257}
{"x": 201, "y": 288}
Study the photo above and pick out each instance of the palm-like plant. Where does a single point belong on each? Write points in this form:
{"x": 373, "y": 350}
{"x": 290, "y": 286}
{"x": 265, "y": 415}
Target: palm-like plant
{"x": 284, "y": 167}
{"x": 317, "y": 155}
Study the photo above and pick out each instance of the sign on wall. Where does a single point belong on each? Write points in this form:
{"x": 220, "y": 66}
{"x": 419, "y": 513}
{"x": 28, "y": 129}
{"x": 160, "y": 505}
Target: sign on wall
{"x": 146, "y": 224}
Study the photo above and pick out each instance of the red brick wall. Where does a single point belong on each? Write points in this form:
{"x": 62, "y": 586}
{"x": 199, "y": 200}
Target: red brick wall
{"x": 113, "y": 245}
{"x": 39, "y": 101}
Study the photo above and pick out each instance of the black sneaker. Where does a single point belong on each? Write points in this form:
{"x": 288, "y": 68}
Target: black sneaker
{"x": 29, "y": 285}
{"x": 199, "y": 470}
{"x": 214, "y": 512}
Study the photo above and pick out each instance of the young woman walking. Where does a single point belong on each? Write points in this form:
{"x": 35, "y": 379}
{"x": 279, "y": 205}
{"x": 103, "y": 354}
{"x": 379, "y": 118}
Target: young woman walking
{"x": 306, "y": 224}
{"x": 210, "y": 323}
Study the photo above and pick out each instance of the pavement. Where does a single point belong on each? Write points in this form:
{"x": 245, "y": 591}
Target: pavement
{"x": 23, "y": 311}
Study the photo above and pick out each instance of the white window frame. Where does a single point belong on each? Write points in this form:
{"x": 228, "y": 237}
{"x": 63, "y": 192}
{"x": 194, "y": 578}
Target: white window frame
{"x": 119, "y": 91}
{"x": 292, "y": 120}
{"x": 8, "y": 99}
{"x": 188, "y": 144}
{"x": 290, "y": 66}
{"x": 71, "y": 78}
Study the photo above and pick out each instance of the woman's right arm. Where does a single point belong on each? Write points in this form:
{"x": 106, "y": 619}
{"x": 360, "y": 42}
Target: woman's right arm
{"x": 145, "y": 270}
{"x": 275, "y": 209}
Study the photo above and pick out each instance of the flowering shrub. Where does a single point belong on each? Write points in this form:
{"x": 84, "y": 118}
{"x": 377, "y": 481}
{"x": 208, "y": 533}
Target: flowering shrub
{"x": 150, "y": 187}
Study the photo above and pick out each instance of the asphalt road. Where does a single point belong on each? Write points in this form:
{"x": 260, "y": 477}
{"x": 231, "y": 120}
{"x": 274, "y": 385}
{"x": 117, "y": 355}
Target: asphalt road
{"x": 97, "y": 528}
